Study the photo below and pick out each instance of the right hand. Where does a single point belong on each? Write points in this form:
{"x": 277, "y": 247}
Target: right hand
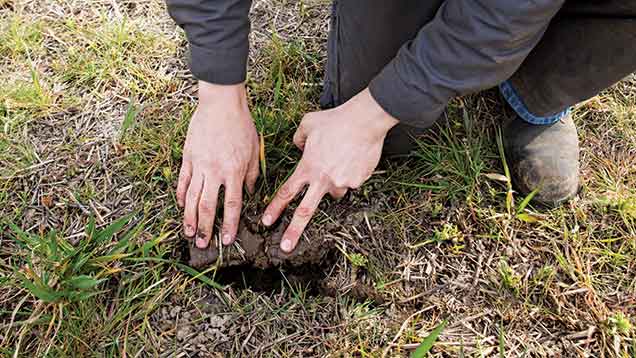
{"x": 221, "y": 148}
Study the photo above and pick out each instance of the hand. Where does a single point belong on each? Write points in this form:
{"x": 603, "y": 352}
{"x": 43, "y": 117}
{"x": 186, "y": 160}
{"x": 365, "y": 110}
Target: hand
{"x": 221, "y": 148}
{"x": 341, "y": 149}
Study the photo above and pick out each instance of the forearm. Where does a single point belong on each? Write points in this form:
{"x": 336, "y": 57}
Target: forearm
{"x": 469, "y": 46}
{"x": 217, "y": 32}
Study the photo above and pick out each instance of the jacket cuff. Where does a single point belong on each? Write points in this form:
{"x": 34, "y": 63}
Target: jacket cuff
{"x": 219, "y": 66}
{"x": 401, "y": 100}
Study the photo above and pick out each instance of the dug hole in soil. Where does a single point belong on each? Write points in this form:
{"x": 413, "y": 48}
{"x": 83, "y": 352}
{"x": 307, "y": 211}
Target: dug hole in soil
{"x": 255, "y": 260}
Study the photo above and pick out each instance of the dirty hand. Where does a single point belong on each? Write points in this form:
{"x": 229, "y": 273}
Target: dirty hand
{"x": 221, "y": 149}
{"x": 341, "y": 149}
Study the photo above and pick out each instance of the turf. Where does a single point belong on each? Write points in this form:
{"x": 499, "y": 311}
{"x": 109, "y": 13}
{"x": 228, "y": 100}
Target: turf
{"x": 94, "y": 104}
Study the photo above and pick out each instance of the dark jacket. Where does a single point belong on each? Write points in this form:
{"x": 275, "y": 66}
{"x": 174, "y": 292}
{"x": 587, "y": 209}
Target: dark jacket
{"x": 470, "y": 45}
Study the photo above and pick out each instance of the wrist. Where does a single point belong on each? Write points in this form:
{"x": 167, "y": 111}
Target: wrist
{"x": 377, "y": 120}
{"x": 211, "y": 94}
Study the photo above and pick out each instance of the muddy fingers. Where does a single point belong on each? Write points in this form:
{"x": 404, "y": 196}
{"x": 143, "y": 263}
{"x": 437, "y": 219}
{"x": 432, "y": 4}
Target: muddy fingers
{"x": 261, "y": 249}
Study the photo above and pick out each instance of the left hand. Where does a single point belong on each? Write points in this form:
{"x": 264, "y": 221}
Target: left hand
{"x": 341, "y": 149}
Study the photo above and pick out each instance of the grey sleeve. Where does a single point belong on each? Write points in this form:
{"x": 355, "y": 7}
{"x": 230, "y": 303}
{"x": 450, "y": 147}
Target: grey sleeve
{"x": 217, "y": 31}
{"x": 470, "y": 45}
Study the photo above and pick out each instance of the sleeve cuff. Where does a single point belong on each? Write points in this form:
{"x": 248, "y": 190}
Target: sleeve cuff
{"x": 401, "y": 100}
{"x": 219, "y": 66}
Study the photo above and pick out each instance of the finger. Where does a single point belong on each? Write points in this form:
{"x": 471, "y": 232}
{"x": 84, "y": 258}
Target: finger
{"x": 207, "y": 212}
{"x": 302, "y": 216}
{"x": 300, "y": 137}
{"x": 338, "y": 193}
{"x": 284, "y": 196}
{"x": 231, "y": 210}
{"x": 185, "y": 174}
{"x": 252, "y": 174}
{"x": 192, "y": 196}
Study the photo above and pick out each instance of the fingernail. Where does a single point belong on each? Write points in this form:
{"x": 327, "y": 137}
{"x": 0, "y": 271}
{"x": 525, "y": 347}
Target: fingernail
{"x": 267, "y": 220}
{"x": 286, "y": 245}
{"x": 201, "y": 242}
{"x": 189, "y": 231}
{"x": 227, "y": 238}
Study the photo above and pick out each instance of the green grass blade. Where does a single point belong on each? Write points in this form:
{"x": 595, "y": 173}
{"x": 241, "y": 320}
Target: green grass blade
{"x": 124, "y": 241}
{"x": 52, "y": 238}
{"x": 502, "y": 342}
{"x": 198, "y": 275}
{"x": 129, "y": 118}
{"x": 261, "y": 154}
{"x": 83, "y": 282}
{"x": 42, "y": 292}
{"x": 110, "y": 231}
{"x": 527, "y": 200}
{"x": 145, "y": 248}
{"x": 527, "y": 218}
{"x": 185, "y": 268}
{"x": 79, "y": 261}
{"x": 428, "y": 342}
{"x": 90, "y": 227}
{"x": 502, "y": 156}
{"x": 424, "y": 186}
{"x": 277, "y": 88}
{"x": 22, "y": 237}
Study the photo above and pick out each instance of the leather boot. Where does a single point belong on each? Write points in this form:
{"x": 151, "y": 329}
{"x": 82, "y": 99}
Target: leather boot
{"x": 544, "y": 157}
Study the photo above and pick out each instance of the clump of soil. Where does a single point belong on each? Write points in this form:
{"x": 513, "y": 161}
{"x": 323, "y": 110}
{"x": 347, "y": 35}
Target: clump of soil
{"x": 260, "y": 248}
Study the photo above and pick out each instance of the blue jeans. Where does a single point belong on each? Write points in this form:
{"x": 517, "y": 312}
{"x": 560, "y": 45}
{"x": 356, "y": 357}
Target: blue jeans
{"x": 516, "y": 102}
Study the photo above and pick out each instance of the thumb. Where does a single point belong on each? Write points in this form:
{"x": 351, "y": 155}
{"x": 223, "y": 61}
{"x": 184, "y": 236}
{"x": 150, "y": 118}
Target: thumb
{"x": 300, "y": 137}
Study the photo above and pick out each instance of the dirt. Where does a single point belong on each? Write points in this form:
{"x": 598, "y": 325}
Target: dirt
{"x": 260, "y": 248}
{"x": 199, "y": 328}
{"x": 358, "y": 290}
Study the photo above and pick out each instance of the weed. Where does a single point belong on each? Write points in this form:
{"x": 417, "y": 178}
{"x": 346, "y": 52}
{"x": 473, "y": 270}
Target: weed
{"x": 509, "y": 278}
{"x": 427, "y": 343}
{"x": 620, "y": 324}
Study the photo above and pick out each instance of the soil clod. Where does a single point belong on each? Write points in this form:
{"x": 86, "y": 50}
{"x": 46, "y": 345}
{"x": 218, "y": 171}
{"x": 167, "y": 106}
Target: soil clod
{"x": 255, "y": 260}
{"x": 260, "y": 248}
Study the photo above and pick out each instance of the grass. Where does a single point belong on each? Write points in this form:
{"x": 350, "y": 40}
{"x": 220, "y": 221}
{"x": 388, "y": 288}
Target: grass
{"x": 94, "y": 106}
{"x": 113, "y": 53}
{"x": 20, "y": 39}
{"x": 69, "y": 282}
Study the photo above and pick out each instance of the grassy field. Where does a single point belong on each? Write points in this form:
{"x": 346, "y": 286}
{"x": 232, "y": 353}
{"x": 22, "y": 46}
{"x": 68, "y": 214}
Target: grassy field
{"x": 95, "y": 98}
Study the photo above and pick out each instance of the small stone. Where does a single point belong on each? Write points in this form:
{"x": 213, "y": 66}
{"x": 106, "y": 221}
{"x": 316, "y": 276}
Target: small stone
{"x": 175, "y": 311}
{"x": 509, "y": 251}
{"x": 217, "y": 321}
{"x": 182, "y": 334}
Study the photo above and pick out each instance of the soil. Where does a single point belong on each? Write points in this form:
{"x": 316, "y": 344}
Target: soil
{"x": 260, "y": 248}
{"x": 200, "y": 329}
{"x": 358, "y": 290}
{"x": 257, "y": 251}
